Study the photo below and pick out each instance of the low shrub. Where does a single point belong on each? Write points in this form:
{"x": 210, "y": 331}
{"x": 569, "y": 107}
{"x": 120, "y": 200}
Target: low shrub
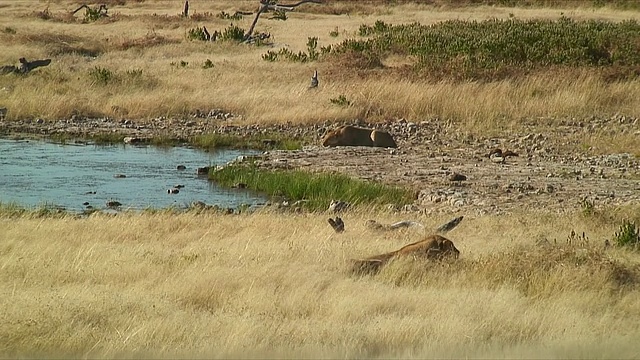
{"x": 496, "y": 48}
{"x": 628, "y": 235}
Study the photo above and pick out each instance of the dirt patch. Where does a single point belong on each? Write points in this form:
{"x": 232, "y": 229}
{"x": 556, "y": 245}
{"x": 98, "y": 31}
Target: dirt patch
{"x": 543, "y": 175}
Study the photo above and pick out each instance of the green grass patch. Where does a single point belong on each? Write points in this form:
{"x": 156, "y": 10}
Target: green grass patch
{"x": 107, "y": 138}
{"x": 317, "y": 189}
{"x": 208, "y": 141}
{"x": 498, "y": 48}
{"x": 258, "y": 142}
{"x": 627, "y": 235}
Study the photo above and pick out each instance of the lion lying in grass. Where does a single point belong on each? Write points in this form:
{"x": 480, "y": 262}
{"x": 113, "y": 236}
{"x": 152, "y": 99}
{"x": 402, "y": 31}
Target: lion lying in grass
{"x": 434, "y": 247}
{"x": 355, "y": 136}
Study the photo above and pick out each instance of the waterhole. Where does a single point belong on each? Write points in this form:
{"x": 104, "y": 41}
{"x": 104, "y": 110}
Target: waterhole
{"x": 80, "y": 176}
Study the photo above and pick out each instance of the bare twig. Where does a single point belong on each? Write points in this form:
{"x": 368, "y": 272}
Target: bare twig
{"x": 81, "y": 7}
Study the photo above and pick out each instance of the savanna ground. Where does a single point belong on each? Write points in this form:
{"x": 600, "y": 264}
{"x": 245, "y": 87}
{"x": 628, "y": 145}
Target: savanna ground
{"x": 268, "y": 284}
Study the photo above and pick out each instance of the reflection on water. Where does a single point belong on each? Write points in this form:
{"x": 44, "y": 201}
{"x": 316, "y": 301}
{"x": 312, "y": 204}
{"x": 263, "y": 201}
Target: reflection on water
{"x": 34, "y": 173}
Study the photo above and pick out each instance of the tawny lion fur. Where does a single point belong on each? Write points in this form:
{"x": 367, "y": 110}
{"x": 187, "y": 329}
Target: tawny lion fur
{"x": 434, "y": 247}
{"x": 355, "y": 136}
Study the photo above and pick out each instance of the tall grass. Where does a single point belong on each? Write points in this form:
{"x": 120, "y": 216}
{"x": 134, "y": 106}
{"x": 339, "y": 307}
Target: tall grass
{"x": 317, "y": 190}
{"x": 268, "y": 285}
{"x": 263, "y": 92}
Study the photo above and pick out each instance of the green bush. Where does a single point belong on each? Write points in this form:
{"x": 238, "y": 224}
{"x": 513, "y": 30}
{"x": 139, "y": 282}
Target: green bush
{"x": 232, "y": 33}
{"x": 312, "y": 45}
{"x": 628, "y": 235}
{"x": 471, "y": 49}
{"x": 208, "y": 64}
{"x": 341, "y": 101}
{"x": 101, "y": 76}
{"x": 279, "y": 15}
{"x": 91, "y": 15}
{"x": 227, "y": 16}
{"x": 197, "y": 34}
{"x": 311, "y": 55}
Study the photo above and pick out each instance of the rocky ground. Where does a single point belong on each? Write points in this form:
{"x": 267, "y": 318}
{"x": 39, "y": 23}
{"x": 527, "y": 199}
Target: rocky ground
{"x": 451, "y": 172}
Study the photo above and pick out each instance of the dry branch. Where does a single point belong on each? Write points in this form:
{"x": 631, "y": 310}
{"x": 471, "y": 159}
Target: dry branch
{"x": 24, "y": 67}
{"x": 266, "y": 5}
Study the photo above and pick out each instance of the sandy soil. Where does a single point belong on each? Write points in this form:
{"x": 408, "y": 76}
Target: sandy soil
{"x": 544, "y": 176}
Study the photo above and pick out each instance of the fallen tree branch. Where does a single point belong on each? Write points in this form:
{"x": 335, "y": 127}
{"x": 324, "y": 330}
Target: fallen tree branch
{"x": 266, "y": 5}
{"x": 25, "y": 66}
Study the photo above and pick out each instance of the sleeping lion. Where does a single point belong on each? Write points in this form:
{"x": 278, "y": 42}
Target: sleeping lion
{"x": 433, "y": 247}
{"x": 355, "y": 136}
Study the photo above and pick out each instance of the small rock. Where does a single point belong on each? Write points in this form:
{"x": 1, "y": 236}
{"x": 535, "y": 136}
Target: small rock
{"x": 457, "y": 177}
{"x": 410, "y": 208}
{"x": 113, "y": 203}
{"x": 497, "y": 159}
{"x": 133, "y": 140}
{"x": 338, "y": 206}
{"x": 181, "y": 167}
{"x": 203, "y": 170}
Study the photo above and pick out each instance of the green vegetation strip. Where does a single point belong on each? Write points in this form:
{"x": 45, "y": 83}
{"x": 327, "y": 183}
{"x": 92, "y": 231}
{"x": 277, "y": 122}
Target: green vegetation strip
{"x": 208, "y": 141}
{"x": 258, "y": 142}
{"x": 317, "y": 189}
{"x": 470, "y": 49}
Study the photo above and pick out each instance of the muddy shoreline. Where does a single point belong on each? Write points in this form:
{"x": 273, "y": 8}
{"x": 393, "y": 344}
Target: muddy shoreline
{"x": 543, "y": 177}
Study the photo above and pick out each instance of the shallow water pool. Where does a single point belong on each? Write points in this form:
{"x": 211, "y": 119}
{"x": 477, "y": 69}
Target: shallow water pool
{"x": 77, "y": 177}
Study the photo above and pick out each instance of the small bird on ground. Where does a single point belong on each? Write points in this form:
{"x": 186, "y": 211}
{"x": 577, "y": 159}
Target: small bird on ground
{"x": 314, "y": 80}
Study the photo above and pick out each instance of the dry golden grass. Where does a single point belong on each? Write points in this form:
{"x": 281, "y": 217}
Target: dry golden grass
{"x": 150, "y": 36}
{"x": 269, "y": 285}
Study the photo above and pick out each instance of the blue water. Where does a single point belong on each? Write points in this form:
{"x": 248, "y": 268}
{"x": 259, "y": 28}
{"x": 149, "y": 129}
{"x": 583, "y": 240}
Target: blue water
{"x": 37, "y": 173}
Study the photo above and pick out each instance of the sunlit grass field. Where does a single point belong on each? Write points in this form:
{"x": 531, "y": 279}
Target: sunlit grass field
{"x": 278, "y": 285}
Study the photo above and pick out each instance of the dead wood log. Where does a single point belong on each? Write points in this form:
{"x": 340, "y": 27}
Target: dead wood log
{"x": 24, "y": 67}
{"x": 266, "y": 5}
{"x": 206, "y": 33}
{"x": 27, "y": 66}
